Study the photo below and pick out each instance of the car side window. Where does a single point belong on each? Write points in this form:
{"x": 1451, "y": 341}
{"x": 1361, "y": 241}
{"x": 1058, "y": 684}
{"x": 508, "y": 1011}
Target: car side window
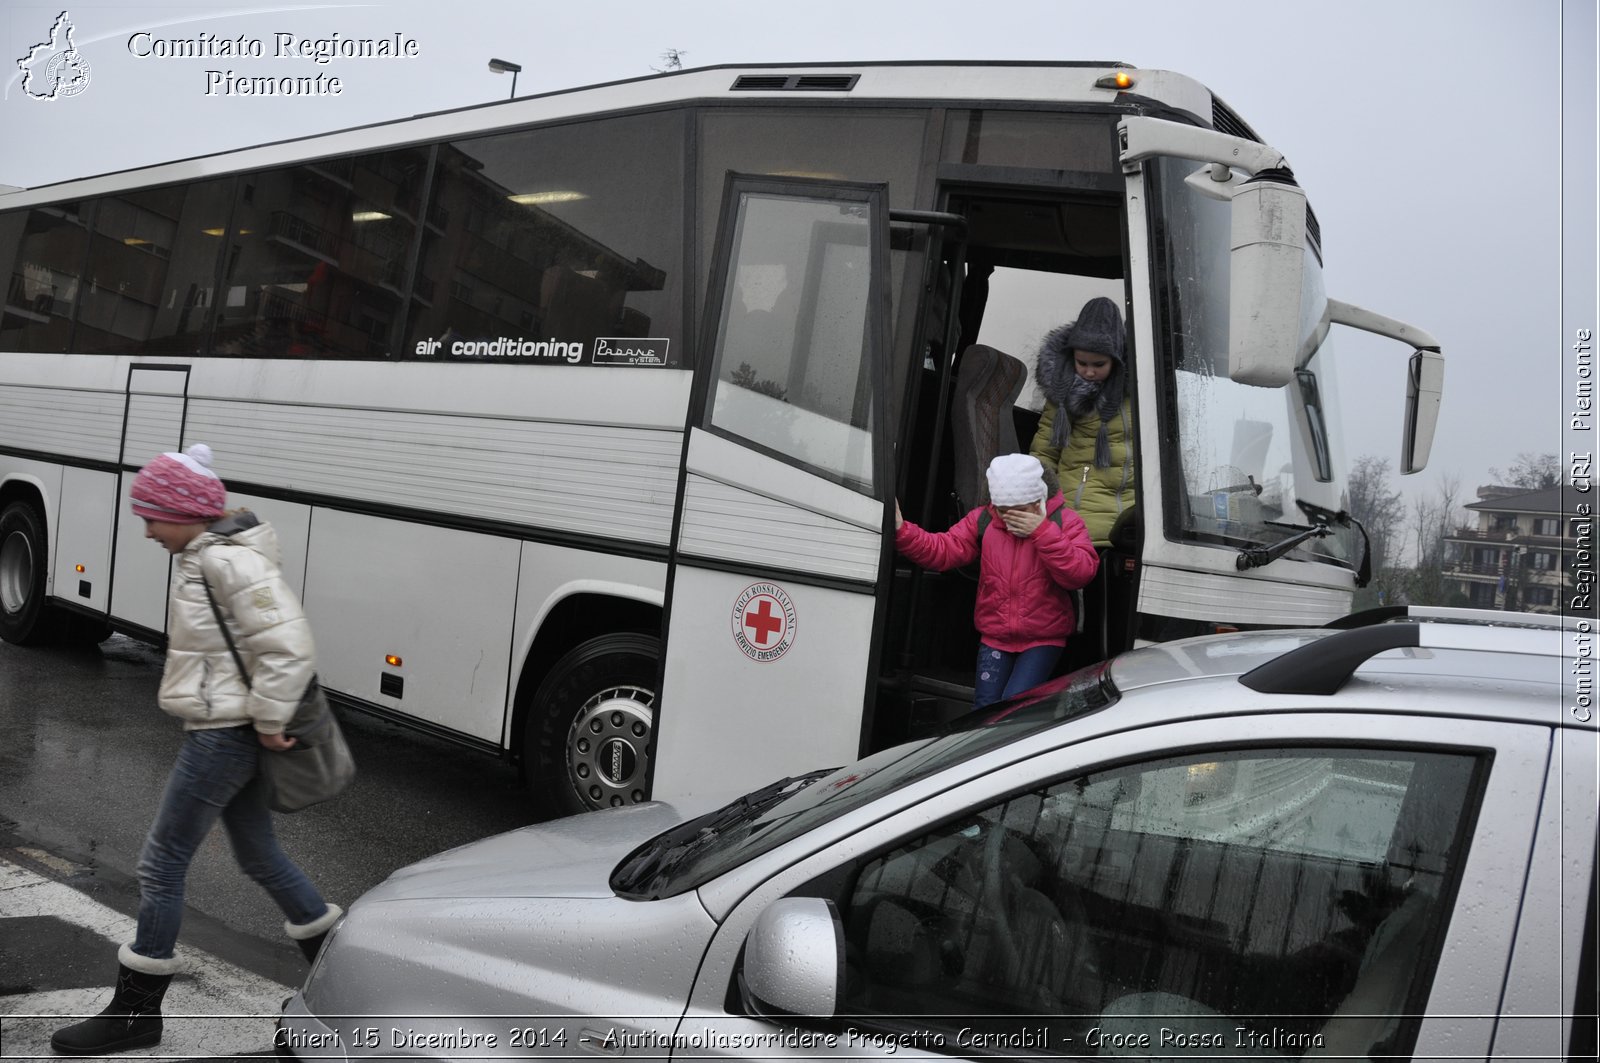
{"x": 1284, "y": 902}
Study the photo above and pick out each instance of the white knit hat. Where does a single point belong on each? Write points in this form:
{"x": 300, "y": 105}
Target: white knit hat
{"x": 1015, "y": 480}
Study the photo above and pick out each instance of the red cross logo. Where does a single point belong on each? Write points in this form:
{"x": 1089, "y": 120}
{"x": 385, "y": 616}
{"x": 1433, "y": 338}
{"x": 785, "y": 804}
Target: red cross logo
{"x": 763, "y": 623}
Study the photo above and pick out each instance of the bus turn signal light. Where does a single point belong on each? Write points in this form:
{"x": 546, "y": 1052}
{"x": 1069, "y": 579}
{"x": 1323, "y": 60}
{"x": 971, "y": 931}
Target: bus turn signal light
{"x": 77, "y": 568}
{"x": 392, "y": 661}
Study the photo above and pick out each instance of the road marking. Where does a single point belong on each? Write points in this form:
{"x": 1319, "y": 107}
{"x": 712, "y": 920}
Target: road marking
{"x": 211, "y": 1009}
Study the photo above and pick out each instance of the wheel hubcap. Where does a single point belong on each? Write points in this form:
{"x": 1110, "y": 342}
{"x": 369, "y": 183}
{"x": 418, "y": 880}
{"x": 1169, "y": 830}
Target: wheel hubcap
{"x": 16, "y": 572}
{"x": 607, "y": 749}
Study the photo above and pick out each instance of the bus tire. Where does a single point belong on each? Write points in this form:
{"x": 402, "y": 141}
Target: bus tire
{"x": 588, "y": 732}
{"x": 26, "y": 618}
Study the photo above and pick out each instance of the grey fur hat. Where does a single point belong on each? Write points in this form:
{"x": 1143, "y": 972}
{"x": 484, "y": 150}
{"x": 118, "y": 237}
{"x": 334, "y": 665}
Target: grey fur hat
{"x": 1098, "y": 329}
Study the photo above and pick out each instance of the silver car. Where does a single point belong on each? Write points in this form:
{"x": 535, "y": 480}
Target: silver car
{"x": 1372, "y": 841}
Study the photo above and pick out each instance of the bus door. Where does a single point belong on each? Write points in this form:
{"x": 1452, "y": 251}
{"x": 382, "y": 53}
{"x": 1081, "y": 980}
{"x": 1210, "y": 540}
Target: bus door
{"x": 778, "y": 547}
{"x": 152, "y": 423}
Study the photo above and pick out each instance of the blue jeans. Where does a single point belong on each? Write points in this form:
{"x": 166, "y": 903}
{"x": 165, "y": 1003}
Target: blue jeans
{"x": 217, "y": 775}
{"x": 1001, "y": 675}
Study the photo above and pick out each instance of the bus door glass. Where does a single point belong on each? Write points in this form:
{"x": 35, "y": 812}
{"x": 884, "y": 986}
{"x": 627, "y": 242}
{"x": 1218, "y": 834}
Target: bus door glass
{"x": 778, "y": 546}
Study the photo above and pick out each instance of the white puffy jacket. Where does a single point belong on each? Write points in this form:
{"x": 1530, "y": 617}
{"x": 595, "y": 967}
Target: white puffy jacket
{"x": 238, "y": 557}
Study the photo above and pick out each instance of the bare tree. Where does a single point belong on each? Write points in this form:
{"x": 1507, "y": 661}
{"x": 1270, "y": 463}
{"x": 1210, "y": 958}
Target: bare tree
{"x": 671, "y": 59}
{"x": 1532, "y": 471}
{"x": 1380, "y": 510}
{"x": 1433, "y": 516}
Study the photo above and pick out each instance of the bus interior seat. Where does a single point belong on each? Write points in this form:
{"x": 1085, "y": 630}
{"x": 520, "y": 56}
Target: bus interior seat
{"x": 986, "y": 390}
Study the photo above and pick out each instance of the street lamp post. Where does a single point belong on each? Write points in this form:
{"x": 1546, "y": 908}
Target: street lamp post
{"x": 501, "y": 66}
{"x": 1515, "y": 594}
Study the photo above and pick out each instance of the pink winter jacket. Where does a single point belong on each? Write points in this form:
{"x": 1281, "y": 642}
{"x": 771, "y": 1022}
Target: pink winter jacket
{"x": 1024, "y": 585}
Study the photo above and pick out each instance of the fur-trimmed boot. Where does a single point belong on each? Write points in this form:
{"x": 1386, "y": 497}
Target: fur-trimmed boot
{"x": 132, "y": 1019}
{"x": 310, "y": 936}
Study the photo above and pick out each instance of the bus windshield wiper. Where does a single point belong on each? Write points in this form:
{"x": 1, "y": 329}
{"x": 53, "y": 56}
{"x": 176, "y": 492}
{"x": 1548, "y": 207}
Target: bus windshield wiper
{"x": 1325, "y": 519}
{"x": 1343, "y": 518}
{"x": 1256, "y": 556}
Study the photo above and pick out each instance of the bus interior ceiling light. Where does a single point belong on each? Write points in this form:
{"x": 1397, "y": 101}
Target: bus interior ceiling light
{"x": 556, "y": 196}
{"x": 369, "y": 215}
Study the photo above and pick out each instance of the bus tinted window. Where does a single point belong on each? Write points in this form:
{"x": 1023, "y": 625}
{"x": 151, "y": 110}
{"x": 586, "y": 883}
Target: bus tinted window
{"x": 792, "y": 358}
{"x": 838, "y": 144}
{"x": 1032, "y": 139}
{"x": 153, "y": 269}
{"x": 552, "y": 246}
{"x": 43, "y": 275}
{"x": 316, "y": 258}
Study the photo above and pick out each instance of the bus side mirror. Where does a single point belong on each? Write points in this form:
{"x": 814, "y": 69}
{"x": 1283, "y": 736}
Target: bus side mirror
{"x": 1266, "y": 261}
{"x": 1424, "y": 388}
{"x": 1424, "y": 381}
{"x": 1265, "y": 287}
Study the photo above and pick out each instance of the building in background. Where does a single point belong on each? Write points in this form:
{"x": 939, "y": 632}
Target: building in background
{"x": 1521, "y": 555}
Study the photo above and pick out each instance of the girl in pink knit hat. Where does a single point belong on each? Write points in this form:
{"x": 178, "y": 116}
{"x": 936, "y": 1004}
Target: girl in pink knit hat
{"x": 228, "y": 719}
{"x": 1029, "y": 565}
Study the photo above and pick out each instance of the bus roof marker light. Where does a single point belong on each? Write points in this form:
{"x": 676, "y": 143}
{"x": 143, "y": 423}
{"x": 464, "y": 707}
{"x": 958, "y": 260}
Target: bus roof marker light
{"x": 1121, "y": 81}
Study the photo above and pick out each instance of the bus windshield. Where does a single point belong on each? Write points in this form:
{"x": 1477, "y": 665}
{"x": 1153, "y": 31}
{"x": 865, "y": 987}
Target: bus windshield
{"x": 1248, "y": 454}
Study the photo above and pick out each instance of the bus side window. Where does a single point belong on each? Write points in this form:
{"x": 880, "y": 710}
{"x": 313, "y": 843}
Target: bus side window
{"x": 43, "y": 280}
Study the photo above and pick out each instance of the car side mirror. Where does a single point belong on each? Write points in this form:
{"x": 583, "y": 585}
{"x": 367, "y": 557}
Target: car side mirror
{"x": 794, "y": 960}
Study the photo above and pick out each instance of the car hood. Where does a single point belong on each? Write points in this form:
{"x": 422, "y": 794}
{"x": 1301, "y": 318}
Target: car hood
{"x": 570, "y": 857}
{"x": 522, "y": 923}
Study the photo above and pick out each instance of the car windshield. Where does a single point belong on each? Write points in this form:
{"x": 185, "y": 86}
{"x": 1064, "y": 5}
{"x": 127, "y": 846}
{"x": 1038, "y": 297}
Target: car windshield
{"x": 697, "y": 851}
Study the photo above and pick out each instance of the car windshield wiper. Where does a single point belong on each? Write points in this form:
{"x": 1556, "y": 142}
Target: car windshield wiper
{"x": 646, "y": 870}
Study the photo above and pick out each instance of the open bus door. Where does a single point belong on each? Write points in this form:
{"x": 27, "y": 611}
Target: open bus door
{"x": 778, "y": 544}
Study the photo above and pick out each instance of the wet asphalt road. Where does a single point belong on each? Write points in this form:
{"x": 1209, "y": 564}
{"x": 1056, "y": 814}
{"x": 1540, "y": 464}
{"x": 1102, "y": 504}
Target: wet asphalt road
{"x": 84, "y": 755}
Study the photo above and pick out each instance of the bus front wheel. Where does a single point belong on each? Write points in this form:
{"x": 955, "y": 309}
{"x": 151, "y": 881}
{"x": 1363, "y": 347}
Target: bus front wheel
{"x": 25, "y": 616}
{"x": 588, "y": 735}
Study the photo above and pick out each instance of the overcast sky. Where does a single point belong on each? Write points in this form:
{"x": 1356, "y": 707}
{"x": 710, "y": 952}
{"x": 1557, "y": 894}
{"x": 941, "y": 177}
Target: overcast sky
{"x": 1427, "y": 134}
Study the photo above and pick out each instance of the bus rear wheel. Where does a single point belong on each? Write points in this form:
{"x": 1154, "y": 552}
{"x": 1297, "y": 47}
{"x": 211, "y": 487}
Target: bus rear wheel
{"x": 26, "y": 619}
{"x": 587, "y": 739}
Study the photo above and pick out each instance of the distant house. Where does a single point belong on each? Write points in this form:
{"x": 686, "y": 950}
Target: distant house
{"x": 1522, "y": 553}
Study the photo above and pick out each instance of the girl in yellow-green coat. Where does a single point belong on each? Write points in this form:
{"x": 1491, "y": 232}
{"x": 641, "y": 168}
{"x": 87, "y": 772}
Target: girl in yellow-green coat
{"x": 1086, "y": 432}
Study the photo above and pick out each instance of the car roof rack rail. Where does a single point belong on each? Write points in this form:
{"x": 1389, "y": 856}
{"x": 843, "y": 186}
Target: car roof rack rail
{"x": 1498, "y": 618}
{"x": 1327, "y": 664}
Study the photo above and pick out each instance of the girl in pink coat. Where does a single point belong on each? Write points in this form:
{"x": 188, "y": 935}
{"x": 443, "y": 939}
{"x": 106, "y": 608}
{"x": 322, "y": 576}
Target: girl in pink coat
{"x": 1035, "y": 554}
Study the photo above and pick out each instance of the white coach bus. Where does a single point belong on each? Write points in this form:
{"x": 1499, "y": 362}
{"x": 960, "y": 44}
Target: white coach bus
{"x": 581, "y": 416}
